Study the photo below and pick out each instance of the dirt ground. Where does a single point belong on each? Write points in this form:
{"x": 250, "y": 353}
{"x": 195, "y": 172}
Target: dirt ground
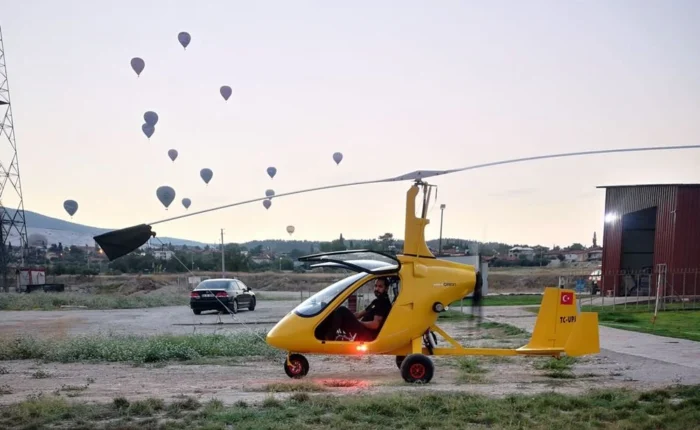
{"x": 509, "y": 280}
{"x": 252, "y": 380}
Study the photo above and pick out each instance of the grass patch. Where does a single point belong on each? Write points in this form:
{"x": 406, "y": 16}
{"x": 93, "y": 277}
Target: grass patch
{"x": 470, "y": 370}
{"x": 677, "y": 324}
{"x": 503, "y": 300}
{"x": 561, "y": 368}
{"x": 137, "y": 349}
{"x": 293, "y": 387}
{"x": 454, "y": 315}
{"x": 41, "y": 301}
{"x": 673, "y": 408}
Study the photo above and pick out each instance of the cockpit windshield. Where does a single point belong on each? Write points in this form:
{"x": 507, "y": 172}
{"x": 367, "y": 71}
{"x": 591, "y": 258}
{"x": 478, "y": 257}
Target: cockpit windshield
{"x": 318, "y": 302}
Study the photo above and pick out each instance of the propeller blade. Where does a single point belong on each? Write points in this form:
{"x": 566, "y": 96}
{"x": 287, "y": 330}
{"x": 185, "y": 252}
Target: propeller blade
{"x": 121, "y": 242}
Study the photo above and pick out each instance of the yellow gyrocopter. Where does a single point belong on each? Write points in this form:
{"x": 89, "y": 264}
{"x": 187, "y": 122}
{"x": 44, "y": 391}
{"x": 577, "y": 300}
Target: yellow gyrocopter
{"x": 422, "y": 287}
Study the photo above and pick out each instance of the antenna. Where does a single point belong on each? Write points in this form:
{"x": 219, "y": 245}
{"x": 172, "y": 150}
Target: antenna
{"x": 12, "y": 221}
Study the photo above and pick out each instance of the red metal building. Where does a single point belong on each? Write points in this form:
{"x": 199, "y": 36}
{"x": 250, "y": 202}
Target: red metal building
{"x": 651, "y": 235}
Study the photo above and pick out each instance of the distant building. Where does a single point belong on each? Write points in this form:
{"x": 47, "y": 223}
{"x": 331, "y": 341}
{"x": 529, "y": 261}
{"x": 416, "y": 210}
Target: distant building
{"x": 163, "y": 255}
{"x": 517, "y": 251}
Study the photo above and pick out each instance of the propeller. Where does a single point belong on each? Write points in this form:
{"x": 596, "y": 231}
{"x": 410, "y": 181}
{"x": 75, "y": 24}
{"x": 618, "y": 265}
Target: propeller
{"x": 118, "y": 243}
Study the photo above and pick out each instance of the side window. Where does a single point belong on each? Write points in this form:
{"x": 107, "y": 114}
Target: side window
{"x": 232, "y": 286}
{"x": 242, "y": 286}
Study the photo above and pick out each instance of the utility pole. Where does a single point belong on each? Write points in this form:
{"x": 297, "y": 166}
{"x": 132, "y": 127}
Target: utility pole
{"x": 442, "y": 212}
{"x": 223, "y": 270}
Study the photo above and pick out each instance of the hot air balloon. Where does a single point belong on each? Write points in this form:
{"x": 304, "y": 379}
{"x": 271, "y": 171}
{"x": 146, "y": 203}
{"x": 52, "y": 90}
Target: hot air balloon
{"x": 272, "y": 171}
{"x": 206, "y": 174}
{"x": 269, "y": 193}
{"x": 137, "y": 64}
{"x": 337, "y": 157}
{"x": 267, "y": 204}
{"x": 71, "y": 206}
{"x": 290, "y": 229}
{"x": 166, "y": 195}
{"x": 148, "y": 130}
{"x": 186, "y": 203}
{"x": 151, "y": 118}
{"x": 225, "y": 92}
{"x": 172, "y": 153}
{"x": 184, "y": 38}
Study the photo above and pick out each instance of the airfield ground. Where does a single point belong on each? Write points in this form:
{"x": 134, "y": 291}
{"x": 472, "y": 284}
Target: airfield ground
{"x": 145, "y": 366}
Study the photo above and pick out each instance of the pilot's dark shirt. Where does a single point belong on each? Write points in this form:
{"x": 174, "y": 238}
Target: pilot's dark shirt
{"x": 379, "y": 307}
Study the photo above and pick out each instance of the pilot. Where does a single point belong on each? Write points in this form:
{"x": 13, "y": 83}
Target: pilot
{"x": 363, "y": 325}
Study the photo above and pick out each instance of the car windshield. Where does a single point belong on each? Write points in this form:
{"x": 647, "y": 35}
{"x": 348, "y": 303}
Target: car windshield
{"x": 318, "y": 302}
{"x": 214, "y": 284}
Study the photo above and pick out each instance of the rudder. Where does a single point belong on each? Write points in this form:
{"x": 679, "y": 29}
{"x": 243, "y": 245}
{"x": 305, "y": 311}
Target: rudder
{"x": 561, "y": 328}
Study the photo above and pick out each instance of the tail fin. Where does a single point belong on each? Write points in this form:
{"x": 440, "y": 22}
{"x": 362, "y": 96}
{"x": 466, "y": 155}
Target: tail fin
{"x": 560, "y": 327}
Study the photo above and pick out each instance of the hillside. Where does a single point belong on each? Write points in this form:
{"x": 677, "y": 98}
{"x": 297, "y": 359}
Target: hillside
{"x": 69, "y": 233}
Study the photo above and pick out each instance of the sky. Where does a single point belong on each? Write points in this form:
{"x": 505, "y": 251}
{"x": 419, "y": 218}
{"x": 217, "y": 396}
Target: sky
{"x": 396, "y": 86}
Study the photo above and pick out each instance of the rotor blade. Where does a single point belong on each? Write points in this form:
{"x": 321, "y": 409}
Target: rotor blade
{"x": 126, "y": 240}
{"x": 421, "y": 174}
{"x": 118, "y": 243}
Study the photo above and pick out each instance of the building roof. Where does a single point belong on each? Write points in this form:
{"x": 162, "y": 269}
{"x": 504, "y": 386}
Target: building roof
{"x": 648, "y": 185}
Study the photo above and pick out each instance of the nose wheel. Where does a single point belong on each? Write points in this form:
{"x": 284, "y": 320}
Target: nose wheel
{"x": 296, "y": 366}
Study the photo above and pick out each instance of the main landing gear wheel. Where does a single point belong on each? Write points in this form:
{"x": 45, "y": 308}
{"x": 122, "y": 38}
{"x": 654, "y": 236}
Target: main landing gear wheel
{"x": 399, "y": 360}
{"x": 417, "y": 368}
{"x": 299, "y": 366}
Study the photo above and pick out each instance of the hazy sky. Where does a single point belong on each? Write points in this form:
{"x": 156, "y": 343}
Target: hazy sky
{"x": 395, "y": 86}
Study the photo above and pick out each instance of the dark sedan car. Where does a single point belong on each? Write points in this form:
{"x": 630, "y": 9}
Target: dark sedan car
{"x": 223, "y": 295}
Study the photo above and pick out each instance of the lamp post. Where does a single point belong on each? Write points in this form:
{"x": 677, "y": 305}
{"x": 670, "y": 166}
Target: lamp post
{"x": 442, "y": 212}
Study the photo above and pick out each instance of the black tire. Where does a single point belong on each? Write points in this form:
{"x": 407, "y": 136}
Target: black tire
{"x": 196, "y": 311}
{"x": 417, "y": 368}
{"x": 234, "y": 306}
{"x": 399, "y": 360}
{"x": 300, "y": 366}
{"x": 251, "y": 305}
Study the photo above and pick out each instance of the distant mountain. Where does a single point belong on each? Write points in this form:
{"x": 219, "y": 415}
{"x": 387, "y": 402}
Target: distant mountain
{"x": 69, "y": 233}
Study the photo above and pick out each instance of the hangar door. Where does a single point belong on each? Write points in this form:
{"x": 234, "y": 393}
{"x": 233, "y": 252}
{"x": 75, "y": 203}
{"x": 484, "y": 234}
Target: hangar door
{"x": 637, "y": 259}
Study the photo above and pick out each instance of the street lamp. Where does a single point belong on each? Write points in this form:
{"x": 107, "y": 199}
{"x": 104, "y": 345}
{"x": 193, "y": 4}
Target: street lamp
{"x": 442, "y": 212}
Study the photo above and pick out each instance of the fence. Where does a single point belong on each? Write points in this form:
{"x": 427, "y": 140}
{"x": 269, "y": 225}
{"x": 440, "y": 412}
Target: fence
{"x": 650, "y": 290}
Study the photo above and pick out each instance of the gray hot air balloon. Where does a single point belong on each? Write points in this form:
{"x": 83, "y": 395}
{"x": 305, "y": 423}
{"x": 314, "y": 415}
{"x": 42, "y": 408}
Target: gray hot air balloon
{"x": 166, "y": 195}
{"x": 137, "y": 64}
{"x": 267, "y": 204}
{"x": 184, "y": 38}
{"x": 290, "y": 229}
{"x": 148, "y": 130}
{"x": 271, "y": 171}
{"x": 151, "y": 118}
{"x": 269, "y": 193}
{"x": 225, "y": 92}
{"x": 172, "y": 153}
{"x": 337, "y": 157}
{"x": 186, "y": 203}
{"x": 71, "y": 206}
{"x": 206, "y": 175}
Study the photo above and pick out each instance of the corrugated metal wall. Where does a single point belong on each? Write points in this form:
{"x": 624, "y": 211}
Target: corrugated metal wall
{"x": 687, "y": 244}
{"x": 623, "y": 200}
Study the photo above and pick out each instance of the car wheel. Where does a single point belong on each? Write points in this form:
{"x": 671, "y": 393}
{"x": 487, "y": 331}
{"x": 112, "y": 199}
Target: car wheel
{"x": 235, "y": 306}
{"x": 251, "y": 306}
{"x": 196, "y": 311}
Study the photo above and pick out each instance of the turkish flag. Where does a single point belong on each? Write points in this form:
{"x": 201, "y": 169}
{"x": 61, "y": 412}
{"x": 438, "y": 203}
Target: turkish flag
{"x": 567, "y": 298}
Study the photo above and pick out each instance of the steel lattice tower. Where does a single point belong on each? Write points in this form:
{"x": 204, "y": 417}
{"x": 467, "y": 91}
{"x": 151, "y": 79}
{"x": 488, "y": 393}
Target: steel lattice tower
{"x": 12, "y": 221}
